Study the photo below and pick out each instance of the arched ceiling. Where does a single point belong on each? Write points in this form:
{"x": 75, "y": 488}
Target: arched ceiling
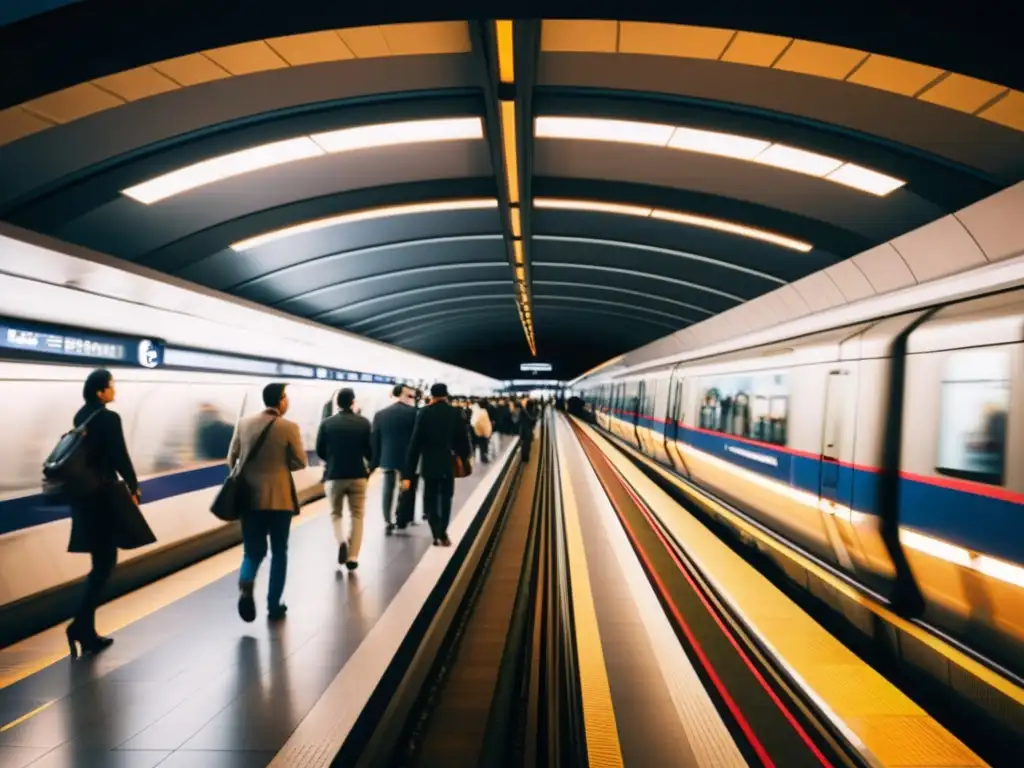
{"x": 663, "y": 169}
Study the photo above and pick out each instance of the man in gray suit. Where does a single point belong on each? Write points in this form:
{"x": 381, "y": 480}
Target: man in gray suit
{"x": 392, "y": 430}
{"x": 268, "y": 473}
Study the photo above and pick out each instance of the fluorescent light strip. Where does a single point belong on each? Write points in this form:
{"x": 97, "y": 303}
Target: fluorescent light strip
{"x": 392, "y": 134}
{"x": 676, "y": 217}
{"x": 365, "y": 215}
{"x": 720, "y": 144}
{"x": 302, "y": 148}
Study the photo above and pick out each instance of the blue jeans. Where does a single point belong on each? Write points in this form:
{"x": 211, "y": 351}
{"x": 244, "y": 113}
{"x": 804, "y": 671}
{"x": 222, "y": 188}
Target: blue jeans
{"x": 257, "y": 526}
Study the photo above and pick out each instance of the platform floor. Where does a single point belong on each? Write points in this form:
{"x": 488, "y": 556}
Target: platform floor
{"x": 190, "y": 684}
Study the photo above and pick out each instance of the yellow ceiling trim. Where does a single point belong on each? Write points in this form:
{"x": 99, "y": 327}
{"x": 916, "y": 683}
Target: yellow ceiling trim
{"x": 84, "y": 99}
{"x": 806, "y": 57}
{"x": 1008, "y": 111}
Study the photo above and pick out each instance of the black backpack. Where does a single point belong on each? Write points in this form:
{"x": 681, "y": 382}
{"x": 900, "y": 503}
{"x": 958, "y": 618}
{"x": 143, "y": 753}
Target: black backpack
{"x": 67, "y": 473}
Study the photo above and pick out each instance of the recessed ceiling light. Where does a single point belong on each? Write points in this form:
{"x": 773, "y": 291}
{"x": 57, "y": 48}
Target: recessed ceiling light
{"x": 364, "y": 215}
{"x": 798, "y": 160}
{"x": 676, "y": 217}
{"x": 301, "y": 148}
{"x": 591, "y": 205}
{"x": 223, "y": 167}
{"x": 391, "y": 134}
{"x": 865, "y": 179}
{"x": 718, "y": 143}
{"x": 600, "y": 129}
{"x": 732, "y": 228}
{"x": 715, "y": 143}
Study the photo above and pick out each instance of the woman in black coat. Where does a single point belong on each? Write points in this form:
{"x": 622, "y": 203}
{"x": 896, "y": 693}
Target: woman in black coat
{"x": 528, "y": 416}
{"x": 104, "y": 520}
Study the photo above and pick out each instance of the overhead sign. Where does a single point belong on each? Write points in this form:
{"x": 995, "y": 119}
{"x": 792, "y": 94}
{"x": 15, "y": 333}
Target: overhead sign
{"x": 35, "y": 339}
{"x": 535, "y": 367}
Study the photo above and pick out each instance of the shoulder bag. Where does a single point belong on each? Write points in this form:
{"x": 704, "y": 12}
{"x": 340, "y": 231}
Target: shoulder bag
{"x": 235, "y": 496}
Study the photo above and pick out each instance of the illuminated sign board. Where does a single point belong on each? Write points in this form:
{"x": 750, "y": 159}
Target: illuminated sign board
{"x": 535, "y": 367}
{"x": 81, "y": 346}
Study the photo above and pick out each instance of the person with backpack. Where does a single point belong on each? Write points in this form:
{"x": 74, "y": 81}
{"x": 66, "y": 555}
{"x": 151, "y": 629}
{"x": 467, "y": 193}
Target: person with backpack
{"x": 480, "y": 424}
{"x": 104, "y": 512}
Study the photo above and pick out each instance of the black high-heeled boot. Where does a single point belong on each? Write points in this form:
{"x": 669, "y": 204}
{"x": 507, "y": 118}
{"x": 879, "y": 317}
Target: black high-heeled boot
{"x": 89, "y": 642}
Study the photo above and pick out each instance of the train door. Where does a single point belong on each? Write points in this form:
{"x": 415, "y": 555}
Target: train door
{"x": 674, "y": 419}
{"x": 835, "y": 489}
{"x": 641, "y": 430}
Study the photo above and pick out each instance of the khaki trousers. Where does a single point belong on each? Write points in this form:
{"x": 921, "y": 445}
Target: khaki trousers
{"x": 355, "y": 491}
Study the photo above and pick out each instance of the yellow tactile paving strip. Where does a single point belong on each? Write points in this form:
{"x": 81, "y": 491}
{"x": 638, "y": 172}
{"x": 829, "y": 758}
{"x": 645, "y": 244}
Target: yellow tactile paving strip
{"x": 603, "y": 747}
{"x": 27, "y": 657}
{"x": 892, "y": 728}
{"x": 952, "y": 654}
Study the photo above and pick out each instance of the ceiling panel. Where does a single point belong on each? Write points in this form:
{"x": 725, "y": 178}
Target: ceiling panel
{"x": 747, "y": 253}
{"x": 43, "y": 158}
{"x": 314, "y": 273}
{"x": 127, "y": 228}
{"x": 331, "y": 296}
{"x": 956, "y": 136}
{"x": 875, "y": 218}
{"x": 495, "y": 289}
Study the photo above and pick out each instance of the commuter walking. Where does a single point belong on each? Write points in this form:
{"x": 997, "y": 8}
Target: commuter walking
{"x": 440, "y": 436}
{"x": 528, "y": 417}
{"x": 106, "y": 516}
{"x": 390, "y": 436}
{"x": 480, "y": 424}
{"x": 343, "y": 441}
{"x": 270, "y": 449}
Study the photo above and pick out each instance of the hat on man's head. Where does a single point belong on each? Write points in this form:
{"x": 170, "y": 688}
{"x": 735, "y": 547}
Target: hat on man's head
{"x": 439, "y": 390}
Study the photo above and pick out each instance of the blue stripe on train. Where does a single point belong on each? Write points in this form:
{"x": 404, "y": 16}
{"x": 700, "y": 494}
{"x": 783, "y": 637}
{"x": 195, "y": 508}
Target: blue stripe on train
{"x": 977, "y": 522}
{"x": 27, "y": 511}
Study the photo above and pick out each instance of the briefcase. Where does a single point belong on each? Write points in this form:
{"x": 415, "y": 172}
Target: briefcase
{"x": 405, "y": 512}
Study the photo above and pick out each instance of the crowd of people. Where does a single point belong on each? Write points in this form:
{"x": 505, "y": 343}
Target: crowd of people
{"x": 415, "y": 440}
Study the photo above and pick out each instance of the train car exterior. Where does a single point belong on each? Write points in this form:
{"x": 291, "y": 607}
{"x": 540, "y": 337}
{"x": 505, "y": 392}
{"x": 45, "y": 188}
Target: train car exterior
{"x": 178, "y": 425}
{"x": 892, "y": 450}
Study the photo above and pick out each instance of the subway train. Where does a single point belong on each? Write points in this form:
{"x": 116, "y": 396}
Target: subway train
{"x": 178, "y": 426}
{"x": 891, "y": 450}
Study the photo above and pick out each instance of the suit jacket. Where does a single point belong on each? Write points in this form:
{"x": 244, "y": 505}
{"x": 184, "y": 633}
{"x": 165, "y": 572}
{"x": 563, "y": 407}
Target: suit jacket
{"x": 343, "y": 441}
{"x": 270, "y": 473}
{"x": 392, "y": 432}
{"x": 441, "y": 432}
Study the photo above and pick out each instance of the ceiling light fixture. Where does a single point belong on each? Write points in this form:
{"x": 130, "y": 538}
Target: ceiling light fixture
{"x": 223, "y": 167}
{"x": 599, "y": 129}
{"x": 594, "y": 206}
{"x": 392, "y": 134}
{"x": 677, "y": 217}
{"x": 798, "y": 160}
{"x": 302, "y": 148}
{"x": 367, "y": 214}
{"x": 865, "y": 179}
{"x": 715, "y": 143}
{"x": 504, "y": 35}
{"x": 721, "y": 144}
{"x": 517, "y": 249}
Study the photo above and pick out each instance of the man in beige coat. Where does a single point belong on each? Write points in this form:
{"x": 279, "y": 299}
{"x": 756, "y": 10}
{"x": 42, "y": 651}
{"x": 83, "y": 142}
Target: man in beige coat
{"x": 268, "y": 473}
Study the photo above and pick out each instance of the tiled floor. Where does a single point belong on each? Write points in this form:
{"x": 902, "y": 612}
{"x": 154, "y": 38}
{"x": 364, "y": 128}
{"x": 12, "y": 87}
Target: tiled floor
{"x": 190, "y": 684}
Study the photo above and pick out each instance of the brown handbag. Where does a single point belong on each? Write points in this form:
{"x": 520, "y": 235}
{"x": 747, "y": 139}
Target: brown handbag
{"x": 460, "y": 467}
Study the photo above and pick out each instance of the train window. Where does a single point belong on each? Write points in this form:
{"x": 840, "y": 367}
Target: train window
{"x": 748, "y": 405}
{"x": 975, "y": 404}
